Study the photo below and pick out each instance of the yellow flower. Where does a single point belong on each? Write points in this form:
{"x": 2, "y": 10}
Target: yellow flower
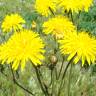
{"x": 86, "y": 5}
{"x": 12, "y": 22}
{"x": 81, "y": 44}
{"x": 21, "y": 47}
{"x": 76, "y": 5}
{"x": 58, "y": 26}
{"x": 43, "y": 6}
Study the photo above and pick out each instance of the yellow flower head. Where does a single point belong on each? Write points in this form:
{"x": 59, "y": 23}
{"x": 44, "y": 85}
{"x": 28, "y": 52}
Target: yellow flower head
{"x": 86, "y": 4}
{"x": 81, "y": 44}
{"x": 12, "y": 22}
{"x": 58, "y": 26}
{"x": 43, "y": 6}
{"x": 76, "y": 5}
{"x": 21, "y": 47}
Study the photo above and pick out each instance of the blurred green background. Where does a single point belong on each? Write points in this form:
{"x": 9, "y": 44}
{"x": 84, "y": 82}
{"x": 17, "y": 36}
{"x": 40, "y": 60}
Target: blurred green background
{"x": 83, "y": 80}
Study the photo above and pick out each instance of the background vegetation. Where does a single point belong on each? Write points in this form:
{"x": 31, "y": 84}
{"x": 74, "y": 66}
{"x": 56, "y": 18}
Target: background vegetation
{"x": 83, "y": 80}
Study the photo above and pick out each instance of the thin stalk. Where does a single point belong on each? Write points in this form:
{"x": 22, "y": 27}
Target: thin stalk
{"x": 52, "y": 82}
{"x": 53, "y": 79}
{"x": 72, "y": 17}
{"x": 60, "y": 69}
{"x": 63, "y": 78}
{"x": 19, "y": 85}
{"x": 56, "y": 73}
{"x": 43, "y": 87}
{"x": 64, "y": 73}
{"x": 51, "y": 11}
{"x": 78, "y": 19}
{"x": 70, "y": 72}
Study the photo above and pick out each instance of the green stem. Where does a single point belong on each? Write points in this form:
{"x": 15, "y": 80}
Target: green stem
{"x": 63, "y": 78}
{"x": 64, "y": 73}
{"x": 56, "y": 73}
{"x": 52, "y": 82}
{"x": 78, "y": 17}
{"x": 60, "y": 69}
{"x": 15, "y": 81}
{"x": 70, "y": 72}
{"x": 51, "y": 11}
{"x": 53, "y": 76}
{"x": 72, "y": 17}
{"x": 40, "y": 82}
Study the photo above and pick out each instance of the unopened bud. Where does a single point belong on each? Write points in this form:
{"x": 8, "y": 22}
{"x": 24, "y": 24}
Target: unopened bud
{"x": 53, "y": 59}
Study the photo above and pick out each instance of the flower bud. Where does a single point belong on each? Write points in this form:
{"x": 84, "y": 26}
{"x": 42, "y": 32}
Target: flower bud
{"x": 53, "y": 59}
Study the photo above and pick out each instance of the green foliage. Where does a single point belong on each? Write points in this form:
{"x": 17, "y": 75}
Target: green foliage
{"x": 87, "y": 21}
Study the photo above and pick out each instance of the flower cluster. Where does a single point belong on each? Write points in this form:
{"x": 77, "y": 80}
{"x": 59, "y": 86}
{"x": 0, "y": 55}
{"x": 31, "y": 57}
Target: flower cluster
{"x": 24, "y": 44}
{"x": 44, "y": 6}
